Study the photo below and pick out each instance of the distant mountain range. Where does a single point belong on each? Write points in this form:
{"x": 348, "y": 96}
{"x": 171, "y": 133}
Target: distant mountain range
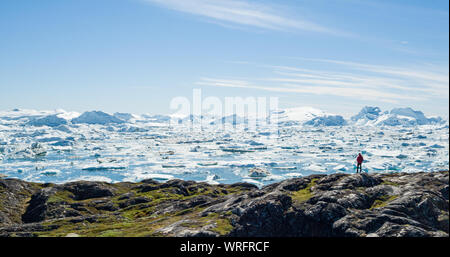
{"x": 307, "y": 116}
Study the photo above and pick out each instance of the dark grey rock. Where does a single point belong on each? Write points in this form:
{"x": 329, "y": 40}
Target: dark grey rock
{"x": 338, "y": 205}
{"x": 86, "y": 189}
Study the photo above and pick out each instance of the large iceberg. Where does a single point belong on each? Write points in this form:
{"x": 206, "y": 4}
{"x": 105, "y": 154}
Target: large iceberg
{"x": 367, "y": 113}
{"x": 125, "y": 116}
{"x": 396, "y": 117}
{"x": 157, "y": 118}
{"x": 298, "y": 114}
{"x": 307, "y": 116}
{"x": 96, "y": 117}
{"x": 50, "y": 120}
{"x": 328, "y": 120}
{"x": 408, "y": 116}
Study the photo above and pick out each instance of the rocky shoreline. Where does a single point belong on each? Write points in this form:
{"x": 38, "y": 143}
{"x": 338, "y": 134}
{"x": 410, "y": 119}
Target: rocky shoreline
{"x": 338, "y": 205}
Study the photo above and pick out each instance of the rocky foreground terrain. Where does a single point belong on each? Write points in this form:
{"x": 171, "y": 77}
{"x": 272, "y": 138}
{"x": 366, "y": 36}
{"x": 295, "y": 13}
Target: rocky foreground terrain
{"x": 356, "y": 205}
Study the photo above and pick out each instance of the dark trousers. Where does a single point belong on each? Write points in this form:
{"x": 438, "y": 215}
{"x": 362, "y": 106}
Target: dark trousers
{"x": 359, "y": 167}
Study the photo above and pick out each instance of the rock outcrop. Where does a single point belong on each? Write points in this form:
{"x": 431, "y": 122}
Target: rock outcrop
{"x": 338, "y": 205}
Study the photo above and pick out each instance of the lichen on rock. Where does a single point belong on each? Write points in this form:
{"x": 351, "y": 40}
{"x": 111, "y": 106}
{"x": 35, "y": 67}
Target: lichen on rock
{"x": 338, "y": 205}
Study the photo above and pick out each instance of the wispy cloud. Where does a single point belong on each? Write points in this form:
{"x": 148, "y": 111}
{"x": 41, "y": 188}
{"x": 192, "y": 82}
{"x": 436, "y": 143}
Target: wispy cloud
{"x": 354, "y": 92}
{"x": 439, "y": 77}
{"x": 383, "y": 83}
{"x": 244, "y": 13}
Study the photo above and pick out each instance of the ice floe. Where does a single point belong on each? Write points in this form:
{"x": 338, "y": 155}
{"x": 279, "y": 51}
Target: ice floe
{"x": 59, "y": 146}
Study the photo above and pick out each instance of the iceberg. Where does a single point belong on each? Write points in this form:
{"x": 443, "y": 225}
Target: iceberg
{"x": 258, "y": 172}
{"x": 96, "y": 117}
{"x": 63, "y": 128}
{"x": 212, "y": 163}
{"x": 232, "y": 119}
{"x": 173, "y": 165}
{"x": 328, "y": 120}
{"x": 285, "y": 167}
{"x": 396, "y": 117}
{"x": 367, "y": 113}
{"x": 340, "y": 167}
{"x": 103, "y": 167}
{"x": 121, "y": 146}
{"x": 157, "y": 118}
{"x": 316, "y": 168}
{"x": 306, "y": 116}
{"x": 293, "y": 175}
{"x": 50, "y": 172}
{"x": 50, "y": 120}
{"x": 124, "y": 116}
{"x": 159, "y": 176}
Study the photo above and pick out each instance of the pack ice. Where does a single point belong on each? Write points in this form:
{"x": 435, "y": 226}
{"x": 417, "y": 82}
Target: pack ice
{"x": 60, "y": 146}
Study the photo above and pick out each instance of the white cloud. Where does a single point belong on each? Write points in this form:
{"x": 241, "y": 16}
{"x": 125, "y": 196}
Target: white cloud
{"x": 360, "y": 93}
{"x": 243, "y": 12}
{"x": 381, "y": 83}
{"x": 436, "y": 76}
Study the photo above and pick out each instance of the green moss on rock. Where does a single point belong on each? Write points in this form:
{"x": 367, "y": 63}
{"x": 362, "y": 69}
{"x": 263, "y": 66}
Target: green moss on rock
{"x": 390, "y": 183}
{"x": 383, "y": 201}
{"x": 305, "y": 194}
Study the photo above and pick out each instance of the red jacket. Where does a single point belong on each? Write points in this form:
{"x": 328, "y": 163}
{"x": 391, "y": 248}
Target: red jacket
{"x": 360, "y": 159}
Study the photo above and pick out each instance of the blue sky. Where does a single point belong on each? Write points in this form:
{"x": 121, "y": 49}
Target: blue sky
{"x": 136, "y": 55}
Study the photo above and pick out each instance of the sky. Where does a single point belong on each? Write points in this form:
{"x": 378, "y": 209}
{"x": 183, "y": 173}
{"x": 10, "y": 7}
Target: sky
{"x": 137, "y": 55}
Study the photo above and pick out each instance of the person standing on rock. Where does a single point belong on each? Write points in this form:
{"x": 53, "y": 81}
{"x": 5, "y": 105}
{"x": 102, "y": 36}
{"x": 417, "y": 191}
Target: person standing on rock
{"x": 359, "y": 161}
